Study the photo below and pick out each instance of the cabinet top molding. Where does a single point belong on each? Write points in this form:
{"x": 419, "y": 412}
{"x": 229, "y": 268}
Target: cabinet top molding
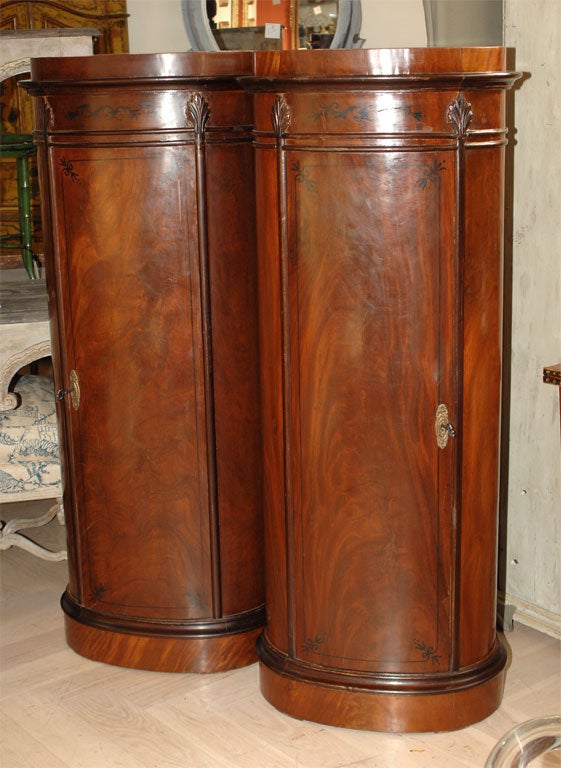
{"x": 455, "y": 65}
{"x": 142, "y": 66}
{"x": 382, "y": 61}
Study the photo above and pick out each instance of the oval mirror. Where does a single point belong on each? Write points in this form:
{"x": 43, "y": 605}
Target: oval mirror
{"x": 214, "y": 25}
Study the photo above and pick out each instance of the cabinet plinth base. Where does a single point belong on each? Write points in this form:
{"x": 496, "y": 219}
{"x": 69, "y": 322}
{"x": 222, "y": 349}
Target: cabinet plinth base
{"x": 342, "y": 705}
{"x": 158, "y": 652}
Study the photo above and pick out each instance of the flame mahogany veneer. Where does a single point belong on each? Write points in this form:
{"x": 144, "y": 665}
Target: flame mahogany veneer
{"x": 379, "y": 206}
{"x": 155, "y": 308}
{"x": 380, "y": 229}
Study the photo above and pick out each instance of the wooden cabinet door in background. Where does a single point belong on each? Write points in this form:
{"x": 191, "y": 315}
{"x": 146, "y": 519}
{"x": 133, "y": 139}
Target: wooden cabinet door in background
{"x": 146, "y": 167}
{"x": 380, "y": 249}
{"x": 110, "y": 18}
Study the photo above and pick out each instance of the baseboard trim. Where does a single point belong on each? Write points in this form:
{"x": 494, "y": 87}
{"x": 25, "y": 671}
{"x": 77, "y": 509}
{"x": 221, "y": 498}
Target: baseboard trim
{"x": 513, "y": 609}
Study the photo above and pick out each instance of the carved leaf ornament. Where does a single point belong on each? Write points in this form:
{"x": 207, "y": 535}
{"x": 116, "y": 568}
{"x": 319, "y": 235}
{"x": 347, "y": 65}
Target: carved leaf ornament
{"x": 280, "y": 116}
{"x": 460, "y": 115}
{"x": 197, "y": 113}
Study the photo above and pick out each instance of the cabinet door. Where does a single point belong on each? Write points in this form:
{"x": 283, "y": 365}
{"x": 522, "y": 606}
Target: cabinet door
{"x": 129, "y": 285}
{"x": 109, "y": 16}
{"x": 370, "y": 295}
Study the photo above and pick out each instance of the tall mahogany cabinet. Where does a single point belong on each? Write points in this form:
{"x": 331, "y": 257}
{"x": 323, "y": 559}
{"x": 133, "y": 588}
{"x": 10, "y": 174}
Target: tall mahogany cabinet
{"x": 376, "y": 180}
{"x": 146, "y": 164}
{"x": 380, "y": 227}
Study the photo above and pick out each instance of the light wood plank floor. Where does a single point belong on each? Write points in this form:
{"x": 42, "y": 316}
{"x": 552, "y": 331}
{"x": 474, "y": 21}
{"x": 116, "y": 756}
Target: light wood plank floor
{"x": 62, "y": 711}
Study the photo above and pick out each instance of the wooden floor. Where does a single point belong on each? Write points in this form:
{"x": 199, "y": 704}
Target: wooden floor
{"x": 59, "y": 709}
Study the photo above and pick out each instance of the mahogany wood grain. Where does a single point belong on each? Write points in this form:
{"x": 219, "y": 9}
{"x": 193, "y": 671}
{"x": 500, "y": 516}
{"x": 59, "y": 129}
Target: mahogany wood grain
{"x": 379, "y": 190}
{"x": 199, "y": 655}
{"x": 366, "y": 708}
{"x": 147, "y": 167}
{"x": 380, "y": 62}
{"x": 380, "y": 240}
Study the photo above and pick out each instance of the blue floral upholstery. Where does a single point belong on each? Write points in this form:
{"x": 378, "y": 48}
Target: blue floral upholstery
{"x": 29, "y": 455}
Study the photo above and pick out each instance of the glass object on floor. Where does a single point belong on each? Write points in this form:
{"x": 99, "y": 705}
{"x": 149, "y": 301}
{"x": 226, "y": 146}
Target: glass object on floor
{"x": 536, "y": 742}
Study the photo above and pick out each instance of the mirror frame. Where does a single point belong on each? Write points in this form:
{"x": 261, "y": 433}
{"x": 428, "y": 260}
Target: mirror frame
{"x": 201, "y": 38}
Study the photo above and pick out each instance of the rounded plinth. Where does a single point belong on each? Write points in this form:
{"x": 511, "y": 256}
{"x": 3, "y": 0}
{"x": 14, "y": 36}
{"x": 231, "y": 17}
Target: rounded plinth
{"x": 229, "y": 644}
{"x": 450, "y": 702}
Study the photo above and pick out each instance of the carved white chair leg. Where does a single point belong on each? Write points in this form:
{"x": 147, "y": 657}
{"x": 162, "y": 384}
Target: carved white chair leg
{"x": 60, "y": 512}
{"x": 29, "y": 462}
{"x": 9, "y": 536}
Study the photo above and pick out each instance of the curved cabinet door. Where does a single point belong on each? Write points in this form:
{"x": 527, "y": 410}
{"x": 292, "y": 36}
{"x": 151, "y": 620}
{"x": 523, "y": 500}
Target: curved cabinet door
{"x": 153, "y": 274}
{"x": 370, "y": 341}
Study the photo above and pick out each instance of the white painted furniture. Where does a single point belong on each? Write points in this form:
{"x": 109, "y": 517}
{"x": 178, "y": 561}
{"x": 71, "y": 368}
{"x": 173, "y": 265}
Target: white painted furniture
{"x": 24, "y": 328}
{"x": 19, "y": 46}
{"x": 29, "y": 460}
{"x": 25, "y": 473}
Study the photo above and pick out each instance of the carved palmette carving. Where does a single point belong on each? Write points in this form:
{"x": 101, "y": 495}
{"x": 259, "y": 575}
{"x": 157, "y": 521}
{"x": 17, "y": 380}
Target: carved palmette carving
{"x": 460, "y": 115}
{"x": 280, "y": 116}
{"x": 197, "y": 113}
{"x": 48, "y": 115}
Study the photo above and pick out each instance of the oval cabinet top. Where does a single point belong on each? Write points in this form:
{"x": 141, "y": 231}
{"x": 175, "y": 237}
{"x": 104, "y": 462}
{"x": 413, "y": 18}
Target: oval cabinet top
{"x": 143, "y": 66}
{"x": 328, "y": 65}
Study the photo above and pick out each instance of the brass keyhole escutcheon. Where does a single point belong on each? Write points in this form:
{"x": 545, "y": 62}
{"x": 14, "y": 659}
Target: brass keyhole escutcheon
{"x": 442, "y": 426}
{"x": 73, "y": 390}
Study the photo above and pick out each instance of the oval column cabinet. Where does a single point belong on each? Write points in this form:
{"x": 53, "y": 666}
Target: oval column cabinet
{"x": 380, "y": 225}
{"x": 146, "y": 167}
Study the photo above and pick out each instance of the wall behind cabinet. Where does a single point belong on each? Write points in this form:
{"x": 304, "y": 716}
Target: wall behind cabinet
{"x": 533, "y": 546}
{"x": 156, "y": 26}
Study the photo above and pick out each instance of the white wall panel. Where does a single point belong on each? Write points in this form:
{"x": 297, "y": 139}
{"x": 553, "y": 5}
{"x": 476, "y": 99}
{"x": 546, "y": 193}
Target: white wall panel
{"x": 533, "y": 554}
